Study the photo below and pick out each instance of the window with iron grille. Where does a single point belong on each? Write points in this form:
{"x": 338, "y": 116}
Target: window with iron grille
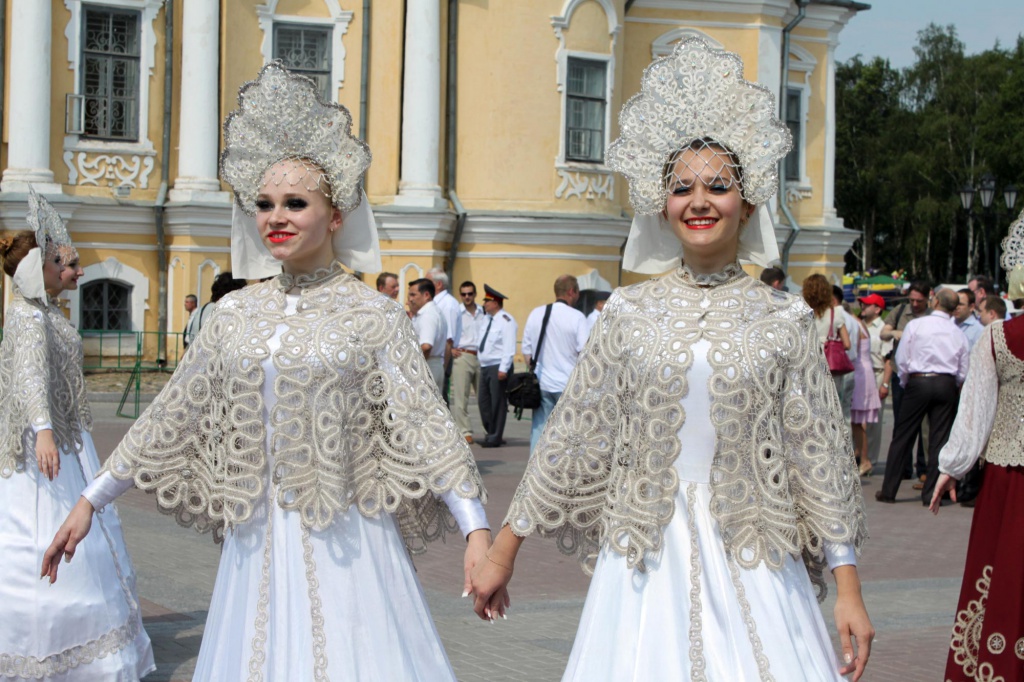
{"x": 110, "y": 73}
{"x": 306, "y": 50}
{"x": 794, "y": 121}
{"x": 106, "y": 306}
{"x": 585, "y": 104}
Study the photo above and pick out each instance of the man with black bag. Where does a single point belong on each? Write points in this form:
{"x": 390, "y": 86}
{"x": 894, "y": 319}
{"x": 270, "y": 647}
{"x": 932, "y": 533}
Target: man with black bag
{"x": 497, "y": 332}
{"x": 553, "y": 339}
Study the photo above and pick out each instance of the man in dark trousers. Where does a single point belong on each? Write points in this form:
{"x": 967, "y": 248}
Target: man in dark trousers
{"x": 497, "y": 331}
{"x": 932, "y": 361}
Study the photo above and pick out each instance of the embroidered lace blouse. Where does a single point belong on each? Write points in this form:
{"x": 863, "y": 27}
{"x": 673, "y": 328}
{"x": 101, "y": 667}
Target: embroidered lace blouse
{"x": 358, "y": 418}
{"x": 783, "y": 479}
{"x": 990, "y": 419}
{"x": 40, "y": 381}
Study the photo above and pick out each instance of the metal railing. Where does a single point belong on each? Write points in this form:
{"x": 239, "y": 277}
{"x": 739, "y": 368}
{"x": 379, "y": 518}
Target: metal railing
{"x": 121, "y": 350}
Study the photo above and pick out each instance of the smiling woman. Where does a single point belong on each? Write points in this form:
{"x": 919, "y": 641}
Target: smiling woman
{"x": 698, "y": 463}
{"x": 303, "y": 427}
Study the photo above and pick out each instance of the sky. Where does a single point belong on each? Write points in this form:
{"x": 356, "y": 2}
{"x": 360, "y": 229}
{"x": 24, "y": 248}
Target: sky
{"x": 889, "y": 29}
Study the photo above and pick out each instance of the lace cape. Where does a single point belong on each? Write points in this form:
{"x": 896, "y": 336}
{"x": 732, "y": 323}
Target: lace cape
{"x": 358, "y": 418}
{"x": 783, "y": 479}
{"x": 40, "y": 381}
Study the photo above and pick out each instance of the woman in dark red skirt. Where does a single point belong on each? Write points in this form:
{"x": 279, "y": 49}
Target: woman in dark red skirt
{"x": 988, "y": 634}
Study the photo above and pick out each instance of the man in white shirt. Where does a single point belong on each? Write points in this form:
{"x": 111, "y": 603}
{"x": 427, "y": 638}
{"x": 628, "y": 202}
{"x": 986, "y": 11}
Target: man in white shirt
{"x": 965, "y": 318}
{"x": 191, "y": 305}
{"x": 599, "y": 302}
{"x": 431, "y": 329}
{"x": 555, "y": 354}
{"x": 450, "y": 310}
{"x": 498, "y": 331}
{"x": 932, "y": 364}
{"x": 465, "y": 364}
{"x": 871, "y": 308}
{"x": 387, "y": 284}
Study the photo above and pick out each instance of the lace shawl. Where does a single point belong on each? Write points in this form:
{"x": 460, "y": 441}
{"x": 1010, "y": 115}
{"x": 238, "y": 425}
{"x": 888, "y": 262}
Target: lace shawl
{"x": 40, "y": 381}
{"x": 783, "y": 478}
{"x": 358, "y": 418}
{"x": 988, "y": 420}
{"x": 72, "y": 339}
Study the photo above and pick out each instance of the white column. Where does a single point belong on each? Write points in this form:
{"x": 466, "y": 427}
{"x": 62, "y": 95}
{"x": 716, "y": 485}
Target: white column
{"x": 421, "y": 106}
{"x": 28, "y": 152}
{"x": 828, "y": 209}
{"x": 198, "y": 132}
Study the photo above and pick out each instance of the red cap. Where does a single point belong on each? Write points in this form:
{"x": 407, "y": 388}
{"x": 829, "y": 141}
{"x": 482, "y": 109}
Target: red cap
{"x": 873, "y": 299}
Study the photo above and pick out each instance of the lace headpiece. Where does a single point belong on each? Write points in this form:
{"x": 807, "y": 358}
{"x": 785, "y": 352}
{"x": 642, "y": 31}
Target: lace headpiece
{"x": 281, "y": 117}
{"x": 51, "y": 236}
{"x": 696, "y": 100}
{"x": 1012, "y": 259}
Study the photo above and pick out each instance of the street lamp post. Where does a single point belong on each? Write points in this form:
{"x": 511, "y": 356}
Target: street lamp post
{"x": 986, "y": 192}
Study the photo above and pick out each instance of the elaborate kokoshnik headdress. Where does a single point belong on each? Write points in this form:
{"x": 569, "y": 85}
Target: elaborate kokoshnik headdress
{"x": 281, "y": 117}
{"x": 51, "y": 237}
{"x": 1012, "y": 259}
{"x": 697, "y": 95}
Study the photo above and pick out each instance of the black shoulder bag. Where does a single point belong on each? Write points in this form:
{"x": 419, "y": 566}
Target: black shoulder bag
{"x": 523, "y": 389}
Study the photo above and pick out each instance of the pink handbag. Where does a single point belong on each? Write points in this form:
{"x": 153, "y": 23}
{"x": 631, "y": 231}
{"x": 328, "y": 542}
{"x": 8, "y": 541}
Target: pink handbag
{"x": 835, "y": 355}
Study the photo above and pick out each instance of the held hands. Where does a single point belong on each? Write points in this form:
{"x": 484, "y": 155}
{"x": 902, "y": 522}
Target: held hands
{"x": 489, "y": 578}
{"x": 477, "y": 544}
{"x": 946, "y": 483}
{"x": 75, "y": 527}
{"x": 852, "y": 622}
{"x": 46, "y": 454}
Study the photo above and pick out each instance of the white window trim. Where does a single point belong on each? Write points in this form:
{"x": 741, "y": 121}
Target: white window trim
{"x": 117, "y": 271}
{"x": 666, "y": 42}
{"x": 203, "y": 292}
{"x": 560, "y": 23}
{"x": 338, "y": 21}
{"x": 147, "y": 55}
{"x": 803, "y": 62}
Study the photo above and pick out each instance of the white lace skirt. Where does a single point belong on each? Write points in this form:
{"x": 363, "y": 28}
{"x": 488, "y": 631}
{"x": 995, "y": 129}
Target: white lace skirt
{"x": 87, "y": 626}
{"x": 342, "y": 604}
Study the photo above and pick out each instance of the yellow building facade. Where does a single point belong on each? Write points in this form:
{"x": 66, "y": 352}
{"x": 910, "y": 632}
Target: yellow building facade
{"x": 487, "y": 122}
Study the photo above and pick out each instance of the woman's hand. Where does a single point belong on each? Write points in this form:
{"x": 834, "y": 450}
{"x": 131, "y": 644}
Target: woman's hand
{"x": 75, "y": 527}
{"x": 477, "y": 544}
{"x": 945, "y": 484}
{"x": 46, "y": 454}
{"x": 852, "y": 622}
{"x": 489, "y": 578}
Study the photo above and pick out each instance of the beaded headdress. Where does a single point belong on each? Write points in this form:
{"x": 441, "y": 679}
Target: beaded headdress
{"x": 51, "y": 236}
{"x": 1012, "y": 259}
{"x": 692, "y": 101}
{"x": 698, "y": 94}
{"x": 281, "y": 117}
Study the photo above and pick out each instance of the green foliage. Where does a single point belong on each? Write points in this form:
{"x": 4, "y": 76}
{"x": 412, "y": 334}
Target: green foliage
{"x": 908, "y": 139}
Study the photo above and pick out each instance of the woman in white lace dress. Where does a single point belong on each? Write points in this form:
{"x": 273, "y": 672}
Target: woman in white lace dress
{"x": 302, "y": 426}
{"x": 90, "y": 626}
{"x": 698, "y": 462}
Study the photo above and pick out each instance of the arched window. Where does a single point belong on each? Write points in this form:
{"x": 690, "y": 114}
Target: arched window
{"x": 106, "y": 306}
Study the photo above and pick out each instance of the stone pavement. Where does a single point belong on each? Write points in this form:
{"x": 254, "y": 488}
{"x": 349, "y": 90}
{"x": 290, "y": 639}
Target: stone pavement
{"x": 911, "y": 571}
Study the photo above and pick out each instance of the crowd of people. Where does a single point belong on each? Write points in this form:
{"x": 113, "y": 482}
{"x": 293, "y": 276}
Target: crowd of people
{"x": 698, "y": 445}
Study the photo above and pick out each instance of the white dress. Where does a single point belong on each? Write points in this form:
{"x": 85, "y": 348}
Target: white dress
{"x": 694, "y": 614}
{"x": 88, "y": 625}
{"x": 342, "y": 604}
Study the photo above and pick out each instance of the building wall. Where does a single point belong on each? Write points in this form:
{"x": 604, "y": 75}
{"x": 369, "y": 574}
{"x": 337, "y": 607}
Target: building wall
{"x": 530, "y": 215}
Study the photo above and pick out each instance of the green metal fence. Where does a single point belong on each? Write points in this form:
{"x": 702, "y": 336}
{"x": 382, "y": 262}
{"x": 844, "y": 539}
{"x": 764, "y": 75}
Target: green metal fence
{"x": 122, "y": 350}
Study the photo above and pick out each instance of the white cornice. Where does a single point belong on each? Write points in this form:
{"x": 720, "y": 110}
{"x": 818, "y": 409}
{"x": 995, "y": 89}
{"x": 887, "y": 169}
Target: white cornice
{"x": 395, "y": 225}
{"x": 546, "y": 230}
{"x": 772, "y": 8}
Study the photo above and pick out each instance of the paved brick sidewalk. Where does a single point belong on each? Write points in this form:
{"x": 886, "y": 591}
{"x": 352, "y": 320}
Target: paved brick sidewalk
{"x": 911, "y": 572}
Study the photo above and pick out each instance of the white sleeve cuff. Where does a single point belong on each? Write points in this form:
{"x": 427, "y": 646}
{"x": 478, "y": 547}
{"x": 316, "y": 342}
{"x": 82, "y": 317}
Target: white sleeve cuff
{"x": 105, "y": 489}
{"x": 469, "y": 513}
{"x": 840, "y": 554}
{"x": 36, "y": 428}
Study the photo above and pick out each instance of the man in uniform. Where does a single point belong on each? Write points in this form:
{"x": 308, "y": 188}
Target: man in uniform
{"x": 465, "y": 366}
{"x": 497, "y": 331}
